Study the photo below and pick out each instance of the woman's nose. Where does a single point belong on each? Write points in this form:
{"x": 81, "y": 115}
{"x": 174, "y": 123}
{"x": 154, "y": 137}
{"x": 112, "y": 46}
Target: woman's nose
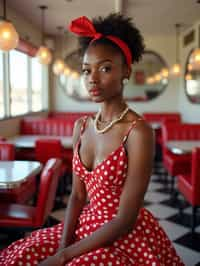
{"x": 94, "y": 77}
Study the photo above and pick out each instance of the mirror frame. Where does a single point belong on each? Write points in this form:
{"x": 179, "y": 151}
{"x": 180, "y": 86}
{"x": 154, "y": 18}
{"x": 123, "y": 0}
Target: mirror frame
{"x": 185, "y": 81}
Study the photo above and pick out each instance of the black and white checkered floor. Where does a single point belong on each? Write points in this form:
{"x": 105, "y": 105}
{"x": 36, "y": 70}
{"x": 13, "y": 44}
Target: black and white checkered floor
{"x": 177, "y": 227}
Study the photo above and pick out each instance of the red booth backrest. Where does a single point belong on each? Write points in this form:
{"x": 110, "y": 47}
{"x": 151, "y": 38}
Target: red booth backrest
{"x": 181, "y": 132}
{"x": 48, "y": 148}
{"x": 47, "y": 190}
{"x": 7, "y": 151}
{"x": 162, "y": 117}
{"x": 57, "y": 124}
{"x": 196, "y": 170}
{"x": 54, "y": 127}
{"x": 68, "y": 115}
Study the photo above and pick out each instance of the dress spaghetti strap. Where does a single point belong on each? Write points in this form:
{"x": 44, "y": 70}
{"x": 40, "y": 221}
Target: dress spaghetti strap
{"x": 131, "y": 127}
{"x": 83, "y": 125}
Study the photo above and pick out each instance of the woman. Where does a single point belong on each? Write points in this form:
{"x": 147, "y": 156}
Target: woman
{"x": 113, "y": 155}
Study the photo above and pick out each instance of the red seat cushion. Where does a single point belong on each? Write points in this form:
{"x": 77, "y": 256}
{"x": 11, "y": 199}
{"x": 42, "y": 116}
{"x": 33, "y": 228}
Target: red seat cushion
{"x": 185, "y": 187}
{"x": 177, "y": 164}
{"x": 21, "y": 214}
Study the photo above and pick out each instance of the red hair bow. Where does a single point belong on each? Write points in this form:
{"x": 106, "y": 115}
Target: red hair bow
{"x": 83, "y": 26}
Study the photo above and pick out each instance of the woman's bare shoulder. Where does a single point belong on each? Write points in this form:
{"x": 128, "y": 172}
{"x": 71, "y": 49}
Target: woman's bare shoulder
{"x": 141, "y": 128}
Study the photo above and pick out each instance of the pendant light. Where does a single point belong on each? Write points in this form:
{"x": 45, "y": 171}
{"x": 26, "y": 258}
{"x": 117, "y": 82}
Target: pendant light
{"x": 59, "y": 64}
{"x": 9, "y": 37}
{"x": 43, "y": 54}
{"x": 176, "y": 68}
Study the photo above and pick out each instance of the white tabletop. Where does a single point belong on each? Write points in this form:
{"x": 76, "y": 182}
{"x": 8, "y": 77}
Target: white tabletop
{"x": 155, "y": 125}
{"x": 182, "y": 146}
{"x": 13, "y": 173}
{"x": 28, "y": 141}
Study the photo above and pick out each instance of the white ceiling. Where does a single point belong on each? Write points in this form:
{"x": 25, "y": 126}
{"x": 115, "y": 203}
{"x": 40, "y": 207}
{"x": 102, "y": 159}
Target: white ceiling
{"x": 151, "y": 16}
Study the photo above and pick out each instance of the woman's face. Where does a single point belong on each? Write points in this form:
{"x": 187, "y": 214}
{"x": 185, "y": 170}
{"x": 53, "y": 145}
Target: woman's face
{"x": 103, "y": 71}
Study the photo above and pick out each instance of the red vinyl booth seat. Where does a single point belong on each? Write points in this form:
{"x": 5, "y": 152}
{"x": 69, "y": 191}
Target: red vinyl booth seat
{"x": 71, "y": 116}
{"x": 18, "y": 215}
{"x": 162, "y": 118}
{"x": 7, "y": 151}
{"x": 189, "y": 184}
{"x": 46, "y": 126}
{"x": 56, "y": 124}
{"x": 177, "y": 164}
{"x": 46, "y": 149}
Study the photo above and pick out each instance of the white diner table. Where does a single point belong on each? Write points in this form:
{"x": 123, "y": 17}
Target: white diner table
{"x": 155, "y": 125}
{"x": 28, "y": 141}
{"x": 14, "y": 173}
{"x": 182, "y": 146}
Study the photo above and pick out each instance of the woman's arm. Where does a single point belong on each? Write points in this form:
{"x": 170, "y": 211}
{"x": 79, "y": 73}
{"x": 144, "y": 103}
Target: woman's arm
{"x": 140, "y": 148}
{"x": 76, "y": 201}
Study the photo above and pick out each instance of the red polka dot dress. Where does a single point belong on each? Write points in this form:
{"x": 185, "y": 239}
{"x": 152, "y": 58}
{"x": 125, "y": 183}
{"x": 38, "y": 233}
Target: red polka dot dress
{"x": 147, "y": 244}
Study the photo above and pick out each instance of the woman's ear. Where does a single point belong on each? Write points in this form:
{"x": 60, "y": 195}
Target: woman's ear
{"x": 127, "y": 72}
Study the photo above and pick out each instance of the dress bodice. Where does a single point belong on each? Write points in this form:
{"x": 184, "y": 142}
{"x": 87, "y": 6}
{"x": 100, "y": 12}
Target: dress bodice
{"x": 105, "y": 182}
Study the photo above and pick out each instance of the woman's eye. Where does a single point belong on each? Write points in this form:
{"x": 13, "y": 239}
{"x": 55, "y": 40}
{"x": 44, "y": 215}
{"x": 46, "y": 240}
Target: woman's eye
{"x": 85, "y": 71}
{"x": 105, "y": 69}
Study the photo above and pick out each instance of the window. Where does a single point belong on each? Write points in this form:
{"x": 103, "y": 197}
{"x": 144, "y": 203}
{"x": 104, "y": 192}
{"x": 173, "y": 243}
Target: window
{"x": 23, "y": 82}
{"x": 18, "y": 70}
{"x": 36, "y": 84}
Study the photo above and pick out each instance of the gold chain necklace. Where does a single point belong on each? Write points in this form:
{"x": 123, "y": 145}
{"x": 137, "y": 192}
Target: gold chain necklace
{"x": 114, "y": 121}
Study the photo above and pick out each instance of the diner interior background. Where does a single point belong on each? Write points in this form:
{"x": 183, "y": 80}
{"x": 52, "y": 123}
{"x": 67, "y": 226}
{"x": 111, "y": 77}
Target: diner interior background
{"x": 169, "y": 93}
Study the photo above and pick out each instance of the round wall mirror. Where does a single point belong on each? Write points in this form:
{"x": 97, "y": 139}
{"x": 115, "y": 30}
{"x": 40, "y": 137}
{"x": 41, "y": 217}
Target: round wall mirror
{"x": 192, "y": 79}
{"x": 148, "y": 79}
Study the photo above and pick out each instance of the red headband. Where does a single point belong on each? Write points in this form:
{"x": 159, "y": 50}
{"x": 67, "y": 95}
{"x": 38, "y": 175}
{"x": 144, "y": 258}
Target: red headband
{"x": 83, "y": 26}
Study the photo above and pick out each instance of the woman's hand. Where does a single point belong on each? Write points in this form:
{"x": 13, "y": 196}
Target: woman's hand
{"x": 57, "y": 260}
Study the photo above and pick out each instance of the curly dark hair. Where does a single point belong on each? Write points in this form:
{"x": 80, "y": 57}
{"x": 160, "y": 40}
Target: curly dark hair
{"x": 120, "y": 26}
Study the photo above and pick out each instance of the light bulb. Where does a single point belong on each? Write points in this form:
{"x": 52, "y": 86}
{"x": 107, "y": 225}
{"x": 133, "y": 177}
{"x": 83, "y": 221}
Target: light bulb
{"x": 75, "y": 75}
{"x": 188, "y": 76}
{"x": 158, "y": 77}
{"x": 150, "y": 80}
{"x": 164, "y": 73}
{"x": 189, "y": 67}
{"x": 66, "y": 71}
{"x": 9, "y": 38}
{"x": 44, "y": 55}
{"x": 58, "y": 67}
{"x": 176, "y": 70}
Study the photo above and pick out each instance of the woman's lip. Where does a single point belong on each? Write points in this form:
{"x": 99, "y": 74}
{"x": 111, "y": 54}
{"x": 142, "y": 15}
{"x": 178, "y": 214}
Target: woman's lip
{"x": 95, "y": 91}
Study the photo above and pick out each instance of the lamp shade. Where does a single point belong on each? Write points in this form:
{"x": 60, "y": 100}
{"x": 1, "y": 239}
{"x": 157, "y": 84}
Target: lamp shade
{"x": 44, "y": 55}
{"x": 58, "y": 66}
{"x": 9, "y": 37}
